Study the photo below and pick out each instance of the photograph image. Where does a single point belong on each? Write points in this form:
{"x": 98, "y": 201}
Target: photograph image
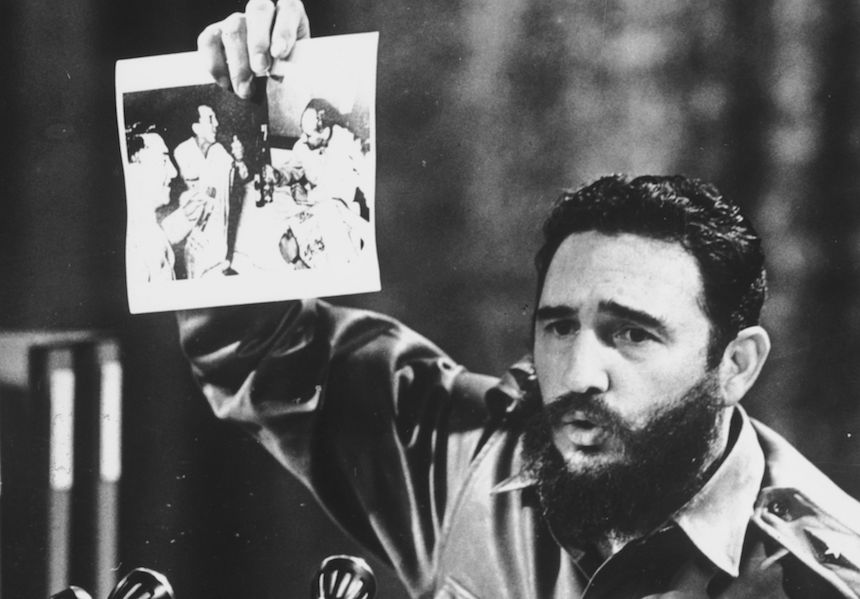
{"x": 233, "y": 200}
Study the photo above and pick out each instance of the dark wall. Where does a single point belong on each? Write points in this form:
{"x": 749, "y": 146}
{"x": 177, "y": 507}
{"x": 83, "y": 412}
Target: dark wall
{"x": 485, "y": 111}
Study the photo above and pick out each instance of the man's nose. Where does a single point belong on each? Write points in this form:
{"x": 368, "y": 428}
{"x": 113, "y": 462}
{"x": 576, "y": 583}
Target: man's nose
{"x": 586, "y": 369}
{"x": 169, "y": 172}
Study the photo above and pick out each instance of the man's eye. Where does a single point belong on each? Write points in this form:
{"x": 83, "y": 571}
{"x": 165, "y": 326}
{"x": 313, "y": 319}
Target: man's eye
{"x": 633, "y": 335}
{"x": 561, "y": 328}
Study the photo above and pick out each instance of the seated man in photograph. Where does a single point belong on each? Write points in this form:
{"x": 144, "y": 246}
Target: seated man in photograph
{"x": 614, "y": 461}
{"x": 206, "y": 166}
{"x": 326, "y": 161}
{"x": 327, "y": 153}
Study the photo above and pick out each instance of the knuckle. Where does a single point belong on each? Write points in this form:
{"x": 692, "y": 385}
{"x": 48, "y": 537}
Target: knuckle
{"x": 294, "y": 6}
{"x": 209, "y": 36}
{"x": 258, "y": 43}
{"x": 259, "y": 6}
{"x": 234, "y": 25}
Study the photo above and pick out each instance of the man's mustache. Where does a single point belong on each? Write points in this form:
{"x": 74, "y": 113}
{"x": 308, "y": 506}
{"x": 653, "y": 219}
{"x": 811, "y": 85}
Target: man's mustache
{"x": 591, "y": 405}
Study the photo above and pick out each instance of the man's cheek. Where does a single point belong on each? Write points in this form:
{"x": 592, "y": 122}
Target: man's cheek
{"x": 545, "y": 371}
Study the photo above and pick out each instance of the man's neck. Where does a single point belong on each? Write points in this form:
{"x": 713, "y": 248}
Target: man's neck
{"x": 203, "y": 145}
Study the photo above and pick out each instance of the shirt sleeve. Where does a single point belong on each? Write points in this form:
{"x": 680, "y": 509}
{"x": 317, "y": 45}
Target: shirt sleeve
{"x": 377, "y": 421}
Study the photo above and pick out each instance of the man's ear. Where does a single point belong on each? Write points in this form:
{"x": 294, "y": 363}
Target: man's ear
{"x": 742, "y": 362}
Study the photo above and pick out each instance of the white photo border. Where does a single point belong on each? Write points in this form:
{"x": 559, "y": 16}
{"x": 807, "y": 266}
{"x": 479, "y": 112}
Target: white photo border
{"x": 360, "y": 276}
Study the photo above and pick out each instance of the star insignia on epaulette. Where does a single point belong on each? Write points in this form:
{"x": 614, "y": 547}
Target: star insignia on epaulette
{"x": 833, "y": 548}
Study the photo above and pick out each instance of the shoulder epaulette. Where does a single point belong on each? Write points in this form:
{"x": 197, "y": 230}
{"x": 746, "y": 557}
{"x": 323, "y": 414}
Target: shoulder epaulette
{"x": 829, "y": 547}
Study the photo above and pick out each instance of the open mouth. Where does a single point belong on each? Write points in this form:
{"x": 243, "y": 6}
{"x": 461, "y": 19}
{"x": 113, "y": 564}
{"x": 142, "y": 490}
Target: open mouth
{"x": 580, "y": 419}
{"x": 583, "y": 432}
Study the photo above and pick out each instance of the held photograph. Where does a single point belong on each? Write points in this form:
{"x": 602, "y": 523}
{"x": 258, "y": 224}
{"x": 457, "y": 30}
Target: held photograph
{"x": 242, "y": 201}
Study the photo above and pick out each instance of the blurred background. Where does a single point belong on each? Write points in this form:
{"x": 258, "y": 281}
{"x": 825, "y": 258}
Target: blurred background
{"x": 485, "y": 111}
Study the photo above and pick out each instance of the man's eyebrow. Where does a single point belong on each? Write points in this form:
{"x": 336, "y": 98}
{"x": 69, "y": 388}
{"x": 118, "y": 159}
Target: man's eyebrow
{"x": 552, "y": 312}
{"x": 634, "y": 315}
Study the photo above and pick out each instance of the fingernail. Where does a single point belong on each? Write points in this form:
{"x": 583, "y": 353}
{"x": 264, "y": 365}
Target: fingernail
{"x": 259, "y": 63}
{"x": 244, "y": 88}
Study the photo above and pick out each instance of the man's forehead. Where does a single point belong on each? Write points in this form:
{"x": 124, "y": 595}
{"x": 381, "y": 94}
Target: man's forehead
{"x": 310, "y": 118}
{"x": 631, "y": 270}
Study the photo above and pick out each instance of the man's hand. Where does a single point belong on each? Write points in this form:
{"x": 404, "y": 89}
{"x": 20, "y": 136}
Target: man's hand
{"x": 193, "y": 204}
{"x": 238, "y": 152}
{"x": 244, "y": 45}
{"x": 237, "y": 149}
{"x": 178, "y": 224}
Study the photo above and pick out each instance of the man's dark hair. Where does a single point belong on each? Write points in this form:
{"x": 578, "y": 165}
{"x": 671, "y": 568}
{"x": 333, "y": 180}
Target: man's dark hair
{"x": 192, "y": 113}
{"x": 677, "y": 209}
{"x": 134, "y": 140}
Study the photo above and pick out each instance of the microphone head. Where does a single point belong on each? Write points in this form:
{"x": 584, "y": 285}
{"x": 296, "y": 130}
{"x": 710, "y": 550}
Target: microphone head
{"x": 344, "y": 577}
{"x": 143, "y": 583}
{"x": 72, "y": 592}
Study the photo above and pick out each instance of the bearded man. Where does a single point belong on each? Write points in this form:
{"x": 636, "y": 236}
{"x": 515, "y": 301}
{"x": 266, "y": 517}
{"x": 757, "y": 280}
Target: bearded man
{"x": 615, "y": 461}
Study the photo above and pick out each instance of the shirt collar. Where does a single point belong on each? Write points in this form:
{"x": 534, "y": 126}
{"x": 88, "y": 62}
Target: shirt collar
{"x": 715, "y": 519}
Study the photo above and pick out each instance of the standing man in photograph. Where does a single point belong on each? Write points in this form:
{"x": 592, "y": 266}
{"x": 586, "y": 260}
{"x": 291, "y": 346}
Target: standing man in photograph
{"x": 205, "y": 165}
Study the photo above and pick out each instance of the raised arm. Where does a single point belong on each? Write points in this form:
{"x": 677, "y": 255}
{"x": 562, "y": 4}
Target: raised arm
{"x": 373, "y": 418}
{"x": 377, "y": 421}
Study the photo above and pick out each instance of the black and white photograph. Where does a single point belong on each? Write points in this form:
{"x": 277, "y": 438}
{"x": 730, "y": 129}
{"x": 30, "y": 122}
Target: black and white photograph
{"x": 432, "y": 300}
{"x": 233, "y": 200}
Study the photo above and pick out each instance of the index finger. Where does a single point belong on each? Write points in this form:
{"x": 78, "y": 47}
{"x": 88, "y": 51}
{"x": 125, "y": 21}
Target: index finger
{"x": 259, "y": 15}
{"x": 234, "y": 39}
{"x": 211, "y": 50}
{"x": 291, "y": 24}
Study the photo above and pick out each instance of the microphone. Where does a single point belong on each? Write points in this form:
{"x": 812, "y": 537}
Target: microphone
{"x": 143, "y": 583}
{"x": 72, "y": 592}
{"x": 344, "y": 577}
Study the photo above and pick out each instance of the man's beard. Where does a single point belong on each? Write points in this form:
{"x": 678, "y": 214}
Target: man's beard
{"x": 664, "y": 464}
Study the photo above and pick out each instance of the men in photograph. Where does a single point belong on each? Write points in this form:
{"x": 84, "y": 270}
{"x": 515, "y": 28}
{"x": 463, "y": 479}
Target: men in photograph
{"x": 206, "y": 166}
{"x": 615, "y": 460}
{"x": 150, "y": 173}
